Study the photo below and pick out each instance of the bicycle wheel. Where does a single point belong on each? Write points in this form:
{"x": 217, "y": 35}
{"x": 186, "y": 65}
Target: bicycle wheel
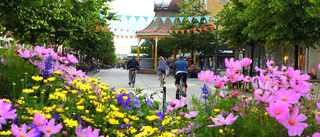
{"x": 162, "y": 80}
{"x": 181, "y": 87}
{"x": 98, "y": 68}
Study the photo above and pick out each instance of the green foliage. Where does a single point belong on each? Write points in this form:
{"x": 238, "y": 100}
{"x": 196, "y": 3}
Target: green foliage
{"x": 15, "y": 72}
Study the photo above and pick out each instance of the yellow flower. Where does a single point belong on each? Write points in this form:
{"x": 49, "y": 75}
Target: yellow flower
{"x": 126, "y": 120}
{"x": 59, "y": 110}
{"x": 45, "y": 81}
{"x": 220, "y": 131}
{"x": 51, "y": 79}
{"x": 48, "y": 116}
{"x": 124, "y": 98}
{"x": 35, "y": 87}
{"x": 133, "y": 130}
{"x": 5, "y": 133}
{"x": 174, "y": 130}
{"x": 113, "y": 121}
{"x": 21, "y": 102}
{"x": 80, "y": 107}
{"x": 216, "y": 110}
{"x": 114, "y": 108}
{"x": 36, "y": 78}
{"x": 74, "y": 91}
{"x": 58, "y": 72}
{"x": 121, "y": 89}
{"x": 87, "y": 111}
{"x": 71, "y": 123}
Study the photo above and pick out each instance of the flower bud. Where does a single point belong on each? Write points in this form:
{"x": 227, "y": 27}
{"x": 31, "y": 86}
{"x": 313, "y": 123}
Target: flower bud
{"x": 312, "y": 72}
{"x": 218, "y": 84}
{"x": 235, "y": 94}
{"x": 182, "y": 113}
{"x": 65, "y": 133}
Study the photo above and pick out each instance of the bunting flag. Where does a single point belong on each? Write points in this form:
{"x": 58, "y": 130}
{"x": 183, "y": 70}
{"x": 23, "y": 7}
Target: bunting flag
{"x": 211, "y": 27}
{"x": 126, "y": 37}
{"x": 146, "y": 18}
{"x": 115, "y": 29}
{"x": 146, "y": 31}
{"x": 199, "y": 29}
{"x": 140, "y": 31}
{"x": 158, "y": 31}
{"x": 164, "y": 31}
{"x": 127, "y": 30}
{"x": 181, "y": 19}
{"x": 190, "y": 19}
{"x": 199, "y": 19}
{"x": 207, "y": 18}
{"x": 182, "y": 31}
{"x": 172, "y": 19}
{"x": 188, "y": 30}
{"x": 121, "y": 29}
{"x": 119, "y": 17}
{"x": 205, "y": 28}
{"x": 135, "y": 36}
{"x": 176, "y": 31}
{"x": 112, "y": 36}
{"x": 109, "y": 29}
{"x": 163, "y": 19}
{"x": 152, "y": 31}
{"x": 121, "y": 36}
{"x": 103, "y": 28}
{"x": 97, "y": 28}
{"x": 170, "y": 31}
{"x": 130, "y": 37}
{"x": 194, "y": 30}
{"x": 117, "y": 36}
{"x": 91, "y": 27}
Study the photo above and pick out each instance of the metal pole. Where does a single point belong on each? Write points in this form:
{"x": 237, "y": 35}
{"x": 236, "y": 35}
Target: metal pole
{"x": 164, "y": 100}
{"x": 216, "y": 58}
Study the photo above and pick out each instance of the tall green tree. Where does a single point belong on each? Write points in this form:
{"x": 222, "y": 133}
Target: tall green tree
{"x": 233, "y": 20}
{"x": 282, "y": 23}
{"x": 193, "y": 41}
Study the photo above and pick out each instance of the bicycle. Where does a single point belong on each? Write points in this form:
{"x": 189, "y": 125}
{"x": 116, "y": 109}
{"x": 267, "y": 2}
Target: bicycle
{"x": 180, "y": 91}
{"x": 162, "y": 75}
{"x": 132, "y": 78}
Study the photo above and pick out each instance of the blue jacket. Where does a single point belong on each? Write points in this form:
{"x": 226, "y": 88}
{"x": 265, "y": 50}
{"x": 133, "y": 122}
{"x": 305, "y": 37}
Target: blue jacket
{"x": 133, "y": 63}
{"x": 180, "y": 66}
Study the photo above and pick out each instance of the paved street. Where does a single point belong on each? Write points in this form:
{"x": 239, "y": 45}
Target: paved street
{"x": 118, "y": 78}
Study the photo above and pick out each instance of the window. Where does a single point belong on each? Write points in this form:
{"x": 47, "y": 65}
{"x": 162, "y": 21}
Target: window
{"x": 225, "y": 1}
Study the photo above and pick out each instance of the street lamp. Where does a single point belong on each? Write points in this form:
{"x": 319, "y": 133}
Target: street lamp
{"x": 216, "y": 58}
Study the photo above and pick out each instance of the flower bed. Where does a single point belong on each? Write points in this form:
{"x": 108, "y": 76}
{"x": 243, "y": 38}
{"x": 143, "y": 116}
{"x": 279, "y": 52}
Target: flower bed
{"x": 60, "y": 101}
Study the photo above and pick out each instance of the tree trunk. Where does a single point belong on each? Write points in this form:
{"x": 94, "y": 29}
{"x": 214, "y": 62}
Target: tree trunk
{"x": 251, "y": 66}
{"x": 296, "y": 56}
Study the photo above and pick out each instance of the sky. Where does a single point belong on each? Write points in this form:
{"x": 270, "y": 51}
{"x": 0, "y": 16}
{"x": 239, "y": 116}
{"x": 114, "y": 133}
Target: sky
{"x": 130, "y": 8}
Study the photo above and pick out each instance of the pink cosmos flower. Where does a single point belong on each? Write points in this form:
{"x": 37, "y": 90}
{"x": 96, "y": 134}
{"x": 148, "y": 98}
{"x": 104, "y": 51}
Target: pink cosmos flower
{"x": 301, "y": 87}
{"x": 175, "y": 104}
{"x": 50, "y": 128}
{"x": 39, "y": 120}
{"x": 235, "y": 94}
{"x": 6, "y": 113}
{"x": 64, "y": 60}
{"x": 317, "y": 117}
{"x": 263, "y": 96}
{"x": 297, "y": 75}
{"x": 221, "y": 121}
{"x": 318, "y": 105}
{"x": 80, "y": 132}
{"x": 192, "y": 114}
{"x": 234, "y": 65}
{"x": 72, "y": 59}
{"x": 182, "y": 113}
{"x": 316, "y": 134}
{"x": 59, "y": 53}
{"x": 232, "y": 75}
{"x": 206, "y": 76}
{"x": 289, "y": 96}
{"x": 312, "y": 72}
{"x": 279, "y": 110}
{"x": 58, "y": 67}
{"x": 183, "y": 101}
{"x": 293, "y": 122}
{"x": 319, "y": 66}
{"x": 23, "y": 132}
{"x": 218, "y": 84}
{"x": 91, "y": 133}
{"x": 245, "y": 62}
{"x": 8, "y": 33}
{"x": 170, "y": 109}
{"x": 25, "y": 54}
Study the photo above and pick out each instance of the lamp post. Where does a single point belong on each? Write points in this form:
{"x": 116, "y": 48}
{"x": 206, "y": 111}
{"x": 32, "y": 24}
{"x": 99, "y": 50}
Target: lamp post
{"x": 216, "y": 58}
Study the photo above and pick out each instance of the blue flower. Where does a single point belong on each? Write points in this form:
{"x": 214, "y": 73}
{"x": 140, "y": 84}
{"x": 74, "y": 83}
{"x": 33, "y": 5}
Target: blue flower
{"x": 32, "y": 126}
{"x": 122, "y": 102}
{"x": 160, "y": 115}
{"x": 136, "y": 102}
{"x": 48, "y": 63}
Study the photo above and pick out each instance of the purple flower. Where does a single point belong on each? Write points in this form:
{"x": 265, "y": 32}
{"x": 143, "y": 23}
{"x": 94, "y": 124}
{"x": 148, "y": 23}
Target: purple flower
{"x": 160, "y": 115}
{"x": 123, "y": 100}
{"x": 192, "y": 114}
{"x": 136, "y": 102}
{"x": 6, "y": 112}
{"x": 91, "y": 133}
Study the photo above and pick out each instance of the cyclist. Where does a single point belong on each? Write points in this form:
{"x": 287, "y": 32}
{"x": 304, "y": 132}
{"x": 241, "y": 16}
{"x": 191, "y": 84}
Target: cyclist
{"x": 132, "y": 65}
{"x": 162, "y": 67}
{"x": 181, "y": 70}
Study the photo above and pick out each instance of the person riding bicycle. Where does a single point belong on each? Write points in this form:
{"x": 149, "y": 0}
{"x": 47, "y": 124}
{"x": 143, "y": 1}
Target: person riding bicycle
{"x": 162, "y": 68}
{"x": 181, "y": 70}
{"x": 132, "y": 64}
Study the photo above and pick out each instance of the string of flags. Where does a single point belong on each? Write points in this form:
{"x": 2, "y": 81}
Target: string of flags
{"x": 157, "y": 31}
{"x": 172, "y": 19}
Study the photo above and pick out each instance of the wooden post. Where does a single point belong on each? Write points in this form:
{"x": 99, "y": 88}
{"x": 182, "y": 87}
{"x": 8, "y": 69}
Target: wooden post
{"x": 156, "y": 55}
{"x": 152, "y": 53}
{"x": 194, "y": 58}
